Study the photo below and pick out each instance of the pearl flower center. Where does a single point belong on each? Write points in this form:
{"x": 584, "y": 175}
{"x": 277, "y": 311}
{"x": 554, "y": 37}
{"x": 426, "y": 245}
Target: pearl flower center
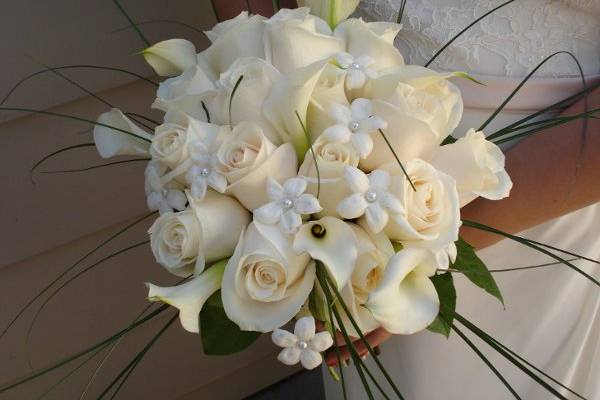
{"x": 354, "y": 125}
{"x": 287, "y": 203}
{"x": 302, "y": 345}
{"x": 204, "y": 172}
{"x": 355, "y": 65}
{"x": 371, "y": 196}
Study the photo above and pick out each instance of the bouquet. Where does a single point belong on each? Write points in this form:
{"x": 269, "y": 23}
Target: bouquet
{"x": 303, "y": 172}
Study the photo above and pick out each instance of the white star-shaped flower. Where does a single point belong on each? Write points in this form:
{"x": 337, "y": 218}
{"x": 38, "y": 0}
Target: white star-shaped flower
{"x": 288, "y": 204}
{"x": 304, "y": 345}
{"x": 358, "y": 69}
{"x": 159, "y": 197}
{"x": 204, "y": 172}
{"x": 370, "y": 198}
{"x": 354, "y": 124}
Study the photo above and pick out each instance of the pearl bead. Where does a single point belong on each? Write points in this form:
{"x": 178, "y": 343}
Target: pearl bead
{"x": 204, "y": 172}
{"x": 355, "y": 65}
{"x": 165, "y": 192}
{"x": 354, "y": 125}
{"x": 371, "y": 197}
{"x": 287, "y": 203}
{"x": 302, "y": 345}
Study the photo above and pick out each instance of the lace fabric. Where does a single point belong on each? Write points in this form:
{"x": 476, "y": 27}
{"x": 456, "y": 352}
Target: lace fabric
{"x": 508, "y": 43}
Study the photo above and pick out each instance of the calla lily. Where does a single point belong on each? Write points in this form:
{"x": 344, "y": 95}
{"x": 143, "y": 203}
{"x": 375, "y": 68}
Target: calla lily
{"x": 112, "y": 142}
{"x": 332, "y": 11}
{"x": 171, "y": 57}
{"x": 331, "y": 241}
{"x": 406, "y": 302}
{"x": 190, "y": 297}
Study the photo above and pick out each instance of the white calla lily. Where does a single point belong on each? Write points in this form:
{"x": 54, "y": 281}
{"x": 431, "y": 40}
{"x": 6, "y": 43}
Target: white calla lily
{"x": 189, "y": 297}
{"x": 332, "y": 11}
{"x": 126, "y": 140}
{"x": 406, "y": 302}
{"x": 171, "y": 57}
{"x": 331, "y": 241}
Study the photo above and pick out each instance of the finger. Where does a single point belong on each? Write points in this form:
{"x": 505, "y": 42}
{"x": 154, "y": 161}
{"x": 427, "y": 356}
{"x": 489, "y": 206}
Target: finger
{"x": 374, "y": 339}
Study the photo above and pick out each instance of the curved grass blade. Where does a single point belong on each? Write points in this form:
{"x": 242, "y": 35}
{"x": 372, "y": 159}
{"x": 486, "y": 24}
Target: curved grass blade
{"x": 337, "y": 354}
{"x": 555, "y": 121}
{"x": 66, "y": 360}
{"x": 133, "y": 24}
{"x": 65, "y": 171}
{"x": 54, "y": 153}
{"x": 511, "y": 269}
{"x": 75, "y": 118}
{"x": 131, "y": 366}
{"x": 440, "y": 51}
{"x": 397, "y": 159}
{"x": 235, "y": 88}
{"x": 66, "y": 271}
{"x": 160, "y": 21}
{"x": 131, "y": 114}
{"x": 488, "y": 339}
{"x": 401, "y": 12}
{"x": 524, "y": 81}
{"x": 529, "y": 244}
{"x": 312, "y": 152}
{"x": 75, "y": 66}
{"x": 338, "y": 297}
{"x": 68, "y": 281}
{"x": 205, "y": 111}
{"x": 486, "y": 361}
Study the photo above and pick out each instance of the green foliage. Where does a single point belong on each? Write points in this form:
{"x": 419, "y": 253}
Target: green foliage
{"x": 474, "y": 269}
{"x": 444, "y": 285}
{"x": 221, "y": 336}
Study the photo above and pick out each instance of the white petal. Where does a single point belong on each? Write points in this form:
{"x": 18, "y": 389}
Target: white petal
{"x": 379, "y": 180}
{"x": 344, "y": 59}
{"x": 289, "y": 355}
{"x": 171, "y": 57}
{"x": 294, "y": 187}
{"x": 352, "y": 206}
{"x": 310, "y": 359}
{"x": 337, "y": 133}
{"x": 356, "y": 179}
{"x": 198, "y": 188}
{"x": 377, "y": 217}
{"x": 217, "y": 181}
{"x": 321, "y": 342}
{"x": 361, "y": 109}
{"x": 336, "y": 247}
{"x": 363, "y": 143}
{"x": 341, "y": 113}
{"x": 274, "y": 189}
{"x": 290, "y": 222}
{"x": 189, "y": 297}
{"x": 391, "y": 202}
{"x": 307, "y": 204}
{"x": 112, "y": 142}
{"x": 176, "y": 199}
{"x": 270, "y": 213}
{"x": 355, "y": 79}
{"x": 305, "y": 329}
{"x": 283, "y": 338}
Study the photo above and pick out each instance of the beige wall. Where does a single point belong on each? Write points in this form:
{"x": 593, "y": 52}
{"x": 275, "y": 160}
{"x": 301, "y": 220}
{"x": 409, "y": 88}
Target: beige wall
{"x": 48, "y": 225}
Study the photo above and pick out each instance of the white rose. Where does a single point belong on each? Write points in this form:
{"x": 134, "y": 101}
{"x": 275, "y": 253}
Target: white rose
{"x": 431, "y": 214}
{"x": 171, "y": 141}
{"x": 233, "y": 39}
{"x": 183, "y": 242}
{"x": 332, "y": 11}
{"x": 126, "y": 140}
{"x": 265, "y": 283}
{"x": 247, "y": 158}
{"x": 477, "y": 165}
{"x": 406, "y": 302}
{"x": 331, "y": 158}
{"x": 183, "y": 93}
{"x": 170, "y": 57}
{"x": 247, "y": 102}
{"x": 295, "y": 39}
{"x": 423, "y": 94}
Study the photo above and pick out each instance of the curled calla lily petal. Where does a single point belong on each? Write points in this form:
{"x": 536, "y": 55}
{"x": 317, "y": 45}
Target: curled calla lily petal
{"x": 331, "y": 241}
{"x": 406, "y": 301}
{"x": 111, "y": 142}
{"x": 171, "y": 57}
{"x": 190, "y": 297}
{"x": 332, "y": 11}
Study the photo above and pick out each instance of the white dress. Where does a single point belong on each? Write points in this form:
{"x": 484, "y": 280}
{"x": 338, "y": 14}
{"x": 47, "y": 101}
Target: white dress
{"x": 552, "y": 315}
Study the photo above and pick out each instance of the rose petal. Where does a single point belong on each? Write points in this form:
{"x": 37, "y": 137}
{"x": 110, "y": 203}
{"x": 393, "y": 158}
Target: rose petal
{"x": 289, "y": 355}
{"x": 305, "y": 329}
{"x": 283, "y": 338}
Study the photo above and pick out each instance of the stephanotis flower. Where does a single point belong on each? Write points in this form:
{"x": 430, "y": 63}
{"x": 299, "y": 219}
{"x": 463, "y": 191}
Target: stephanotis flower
{"x": 304, "y": 345}
{"x": 162, "y": 198}
{"x": 354, "y": 124}
{"x": 358, "y": 69}
{"x": 204, "y": 172}
{"x": 371, "y": 198}
{"x": 288, "y": 204}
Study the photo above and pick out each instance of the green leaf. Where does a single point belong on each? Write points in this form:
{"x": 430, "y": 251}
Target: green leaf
{"x": 474, "y": 269}
{"x": 444, "y": 285}
{"x": 221, "y": 336}
{"x": 449, "y": 140}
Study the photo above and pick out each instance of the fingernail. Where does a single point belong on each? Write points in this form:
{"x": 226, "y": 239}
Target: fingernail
{"x": 377, "y": 350}
{"x": 363, "y": 357}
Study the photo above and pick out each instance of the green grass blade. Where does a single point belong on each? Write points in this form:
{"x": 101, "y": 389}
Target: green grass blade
{"x": 65, "y": 171}
{"x": 337, "y": 353}
{"x": 312, "y": 152}
{"x": 133, "y": 24}
{"x": 205, "y": 111}
{"x": 160, "y": 21}
{"x": 131, "y": 114}
{"x": 235, "y": 88}
{"x": 486, "y": 361}
{"x": 66, "y": 360}
{"x": 397, "y": 159}
{"x": 70, "y": 268}
{"x": 55, "y": 153}
{"x": 528, "y": 243}
{"x": 401, "y": 12}
{"x": 513, "y": 268}
{"x": 440, "y": 51}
